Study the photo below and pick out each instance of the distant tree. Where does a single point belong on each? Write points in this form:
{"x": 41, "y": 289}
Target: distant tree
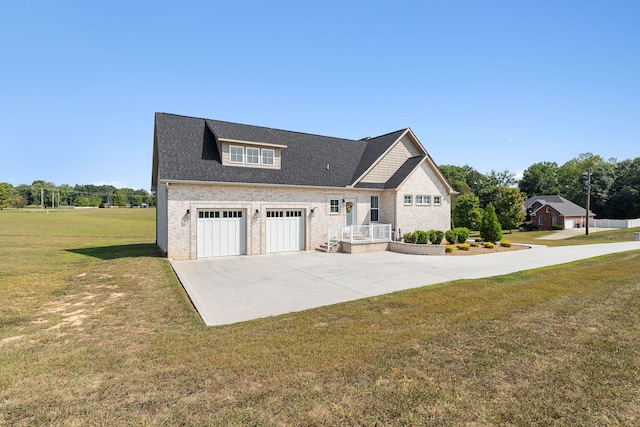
{"x": 136, "y": 200}
{"x": 95, "y": 200}
{"x": 16, "y": 201}
{"x": 488, "y": 187}
{"x": 467, "y": 212}
{"x": 41, "y": 193}
{"x": 572, "y": 177}
{"x": 457, "y": 177}
{"x": 624, "y": 194}
{"x": 82, "y": 200}
{"x": 490, "y": 229}
{"x": 66, "y": 193}
{"x": 119, "y": 198}
{"x": 510, "y": 208}
{"x": 602, "y": 179}
{"x": 540, "y": 179}
{"x": 151, "y": 199}
{"x": 6, "y": 191}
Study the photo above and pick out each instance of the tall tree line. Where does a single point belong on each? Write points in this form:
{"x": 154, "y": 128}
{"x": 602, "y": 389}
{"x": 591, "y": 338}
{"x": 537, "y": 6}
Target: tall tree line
{"x": 43, "y": 193}
{"x": 614, "y": 185}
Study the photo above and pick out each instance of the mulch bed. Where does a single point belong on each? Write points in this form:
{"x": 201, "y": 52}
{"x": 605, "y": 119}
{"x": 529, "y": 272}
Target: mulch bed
{"x": 482, "y": 250}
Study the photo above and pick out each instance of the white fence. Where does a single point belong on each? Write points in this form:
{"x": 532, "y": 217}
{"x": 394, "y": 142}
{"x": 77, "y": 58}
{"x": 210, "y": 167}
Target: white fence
{"x": 359, "y": 233}
{"x": 617, "y": 223}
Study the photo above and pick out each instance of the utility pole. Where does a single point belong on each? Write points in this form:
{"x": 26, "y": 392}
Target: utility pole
{"x": 588, "y": 200}
{"x": 41, "y": 198}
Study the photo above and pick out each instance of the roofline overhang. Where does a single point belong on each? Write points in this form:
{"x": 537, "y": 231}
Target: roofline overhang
{"x": 374, "y": 164}
{"x": 258, "y": 184}
{"x": 262, "y": 144}
{"x": 418, "y": 144}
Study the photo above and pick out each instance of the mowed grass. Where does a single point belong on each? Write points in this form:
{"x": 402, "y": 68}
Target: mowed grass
{"x": 538, "y": 237}
{"x": 96, "y": 330}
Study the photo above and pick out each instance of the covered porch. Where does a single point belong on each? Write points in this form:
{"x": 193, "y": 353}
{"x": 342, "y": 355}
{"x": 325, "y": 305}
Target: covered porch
{"x": 359, "y": 238}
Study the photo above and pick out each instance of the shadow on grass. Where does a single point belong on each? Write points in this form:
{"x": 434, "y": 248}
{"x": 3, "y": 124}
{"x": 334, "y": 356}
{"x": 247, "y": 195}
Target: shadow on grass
{"x": 135, "y": 250}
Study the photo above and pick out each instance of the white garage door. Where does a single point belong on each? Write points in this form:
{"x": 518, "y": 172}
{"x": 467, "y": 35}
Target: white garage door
{"x": 220, "y": 233}
{"x": 285, "y": 231}
{"x": 568, "y": 223}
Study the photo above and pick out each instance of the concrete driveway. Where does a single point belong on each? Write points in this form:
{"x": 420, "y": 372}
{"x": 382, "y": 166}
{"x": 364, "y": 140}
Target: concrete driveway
{"x": 235, "y": 289}
{"x": 571, "y": 232}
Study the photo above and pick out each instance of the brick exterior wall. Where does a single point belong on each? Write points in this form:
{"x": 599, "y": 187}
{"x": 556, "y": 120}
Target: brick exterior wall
{"x": 417, "y": 217}
{"x": 179, "y": 241}
{"x": 547, "y": 217}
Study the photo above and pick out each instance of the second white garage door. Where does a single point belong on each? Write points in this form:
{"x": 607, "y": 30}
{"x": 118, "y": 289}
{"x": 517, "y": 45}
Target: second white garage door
{"x": 285, "y": 230}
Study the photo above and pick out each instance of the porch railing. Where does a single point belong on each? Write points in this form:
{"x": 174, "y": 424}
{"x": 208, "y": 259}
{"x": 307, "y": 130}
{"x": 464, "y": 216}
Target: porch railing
{"x": 359, "y": 233}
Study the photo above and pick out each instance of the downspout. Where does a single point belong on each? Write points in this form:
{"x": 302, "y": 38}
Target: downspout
{"x": 395, "y": 215}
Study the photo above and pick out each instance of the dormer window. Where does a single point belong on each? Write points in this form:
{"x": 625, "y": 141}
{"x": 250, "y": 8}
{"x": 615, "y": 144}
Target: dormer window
{"x": 236, "y": 154}
{"x": 268, "y": 156}
{"x": 253, "y": 156}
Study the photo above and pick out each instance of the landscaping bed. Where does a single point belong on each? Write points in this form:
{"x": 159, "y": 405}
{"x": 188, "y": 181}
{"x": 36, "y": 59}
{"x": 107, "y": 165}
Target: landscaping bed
{"x": 482, "y": 250}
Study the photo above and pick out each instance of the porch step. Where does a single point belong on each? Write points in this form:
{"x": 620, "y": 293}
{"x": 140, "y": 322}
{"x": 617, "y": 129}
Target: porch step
{"x": 325, "y": 248}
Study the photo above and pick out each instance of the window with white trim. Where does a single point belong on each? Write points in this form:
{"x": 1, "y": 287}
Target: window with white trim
{"x": 423, "y": 200}
{"x": 253, "y": 156}
{"x": 408, "y": 199}
{"x": 268, "y": 156}
{"x": 436, "y": 200}
{"x": 374, "y": 209}
{"x": 236, "y": 154}
{"x": 334, "y": 206}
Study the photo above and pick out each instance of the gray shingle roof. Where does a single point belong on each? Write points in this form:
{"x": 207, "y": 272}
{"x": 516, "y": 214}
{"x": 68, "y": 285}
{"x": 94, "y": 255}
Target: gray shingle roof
{"x": 188, "y": 149}
{"x": 559, "y": 203}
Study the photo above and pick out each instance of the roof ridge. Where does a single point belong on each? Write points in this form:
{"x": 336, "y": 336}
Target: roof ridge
{"x": 386, "y": 134}
{"x": 285, "y": 130}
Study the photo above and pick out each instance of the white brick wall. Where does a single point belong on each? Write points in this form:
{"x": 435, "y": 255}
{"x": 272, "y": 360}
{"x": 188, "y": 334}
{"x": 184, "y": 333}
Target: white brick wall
{"x": 182, "y": 228}
{"x": 179, "y": 239}
{"x": 423, "y": 181}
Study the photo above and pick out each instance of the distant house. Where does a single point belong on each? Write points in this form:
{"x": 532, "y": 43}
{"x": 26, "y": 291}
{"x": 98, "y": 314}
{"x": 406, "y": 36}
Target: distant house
{"x": 233, "y": 189}
{"x": 549, "y": 211}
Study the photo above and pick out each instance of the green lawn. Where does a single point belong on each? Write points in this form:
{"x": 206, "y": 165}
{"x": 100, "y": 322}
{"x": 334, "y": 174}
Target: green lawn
{"x": 96, "y": 330}
{"x": 537, "y": 237}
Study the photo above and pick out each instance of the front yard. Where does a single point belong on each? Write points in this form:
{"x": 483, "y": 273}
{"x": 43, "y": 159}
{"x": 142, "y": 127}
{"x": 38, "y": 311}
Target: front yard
{"x": 95, "y": 329}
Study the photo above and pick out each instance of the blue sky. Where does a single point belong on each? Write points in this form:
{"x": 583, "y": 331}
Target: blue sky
{"x": 493, "y": 84}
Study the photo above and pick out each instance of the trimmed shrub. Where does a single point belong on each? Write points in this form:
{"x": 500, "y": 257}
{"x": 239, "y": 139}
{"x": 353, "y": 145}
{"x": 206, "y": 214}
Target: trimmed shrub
{"x": 452, "y": 236}
{"x": 437, "y": 236}
{"x": 505, "y": 244}
{"x": 407, "y": 237}
{"x": 488, "y": 245}
{"x": 475, "y": 245}
{"x": 557, "y": 227}
{"x": 463, "y": 234}
{"x": 463, "y": 246}
{"x": 420, "y": 237}
{"x": 448, "y": 249}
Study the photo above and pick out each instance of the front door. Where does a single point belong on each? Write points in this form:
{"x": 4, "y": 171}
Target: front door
{"x": 350, "y": 208}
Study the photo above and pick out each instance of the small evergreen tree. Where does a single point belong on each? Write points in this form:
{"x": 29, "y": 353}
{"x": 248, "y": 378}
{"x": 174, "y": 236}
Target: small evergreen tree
{"x": 490, "y": 229}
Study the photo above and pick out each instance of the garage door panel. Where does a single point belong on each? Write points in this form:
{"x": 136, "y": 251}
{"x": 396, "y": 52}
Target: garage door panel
{"x": 284, "y": 231}
{"x": 220, "y": 233}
